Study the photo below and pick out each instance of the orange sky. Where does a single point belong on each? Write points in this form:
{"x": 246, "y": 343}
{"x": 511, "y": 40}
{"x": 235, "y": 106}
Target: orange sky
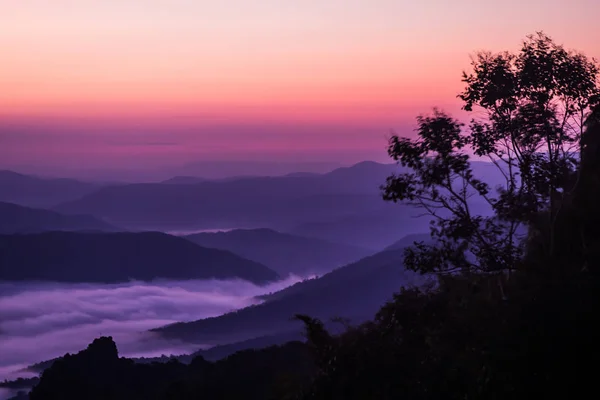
{"x": 373, "y": 63}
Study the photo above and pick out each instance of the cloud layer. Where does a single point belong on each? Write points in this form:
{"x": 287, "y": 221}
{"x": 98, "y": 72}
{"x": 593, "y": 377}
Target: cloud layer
{"x": 43, "y": 321}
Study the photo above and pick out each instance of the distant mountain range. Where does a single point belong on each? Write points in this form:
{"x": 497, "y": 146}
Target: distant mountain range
{"x": 280, "y": 203}
{"x": 372, "y": 229}
{"x": 343, "y": 206}
{"x": 355, "y": 291}
{"x": 119, "y": 257}
{"x": 184, "y": 180}
{"x": 20, "y": 219}
{"x": 40, "y": 192}
{"x": 227, "y": 169}
{"x": 282, "y": 252}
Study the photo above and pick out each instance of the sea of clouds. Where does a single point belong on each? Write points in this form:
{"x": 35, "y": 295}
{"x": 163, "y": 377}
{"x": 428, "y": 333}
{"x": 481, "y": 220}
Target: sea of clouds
{"x": 41, "y": 321}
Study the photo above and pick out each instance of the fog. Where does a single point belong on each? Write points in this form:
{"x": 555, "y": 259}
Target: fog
{"x": 40, "y": 321}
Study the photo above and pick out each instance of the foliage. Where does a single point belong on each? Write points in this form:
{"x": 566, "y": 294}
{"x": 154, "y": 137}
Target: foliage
{"x": 500, "y": 334}
{"x": 530, "y": 109}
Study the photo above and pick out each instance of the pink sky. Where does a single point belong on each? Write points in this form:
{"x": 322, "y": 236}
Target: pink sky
{"x": 177, "y": 80}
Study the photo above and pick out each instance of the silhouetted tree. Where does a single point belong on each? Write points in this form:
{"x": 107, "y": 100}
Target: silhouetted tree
{"x": 533, "y": 106}
{"x": 485, "y": 335}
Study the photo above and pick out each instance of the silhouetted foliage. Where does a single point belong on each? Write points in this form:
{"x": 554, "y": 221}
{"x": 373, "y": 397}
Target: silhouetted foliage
{"x": 533, "y": 106}
{"x": 526, "y": 334}
{"x": 20, "y": 383}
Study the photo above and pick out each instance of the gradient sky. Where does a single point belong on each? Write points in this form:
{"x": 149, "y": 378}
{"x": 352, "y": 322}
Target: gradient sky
{"x": 126, "y": 83}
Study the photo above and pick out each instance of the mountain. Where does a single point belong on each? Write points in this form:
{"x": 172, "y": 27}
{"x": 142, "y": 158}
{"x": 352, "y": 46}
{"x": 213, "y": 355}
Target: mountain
{"x": 226, "y": 169}
{"x": 20, "y": 219}
{"x": 39, "y": 192}
{"x": 183, "y": 180}
{"x": 212, "y": 354}
{"x": 342, "y": 206}
{"x": 301, "y": 174}
{"x": 355, "y": 291}
{"x": 371, "y": 229}
{"x": 409, "y": 240}
{"x": 282, "y": 252}
{"x": 119, "y": 257}
{"x": 272, "y": 202}
{"x": 99, "y": 373}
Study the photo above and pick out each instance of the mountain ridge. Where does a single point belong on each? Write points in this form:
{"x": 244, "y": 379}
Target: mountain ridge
{"x": 354, "y": 291}
{"x": 15, "y": 218}
{"x": 33, "y": 191}
{"x": 282, "y": 252}
{"x": 119, "y": 257}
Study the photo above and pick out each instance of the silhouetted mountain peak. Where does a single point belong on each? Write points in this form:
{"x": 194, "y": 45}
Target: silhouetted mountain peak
{"x": 103, "y": 348}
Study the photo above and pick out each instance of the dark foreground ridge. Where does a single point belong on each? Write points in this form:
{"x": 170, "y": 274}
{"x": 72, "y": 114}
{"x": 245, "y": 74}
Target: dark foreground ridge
{"x": 98, "y": 373}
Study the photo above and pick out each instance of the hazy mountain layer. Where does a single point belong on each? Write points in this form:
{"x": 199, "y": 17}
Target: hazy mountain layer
{"x": 282, "y": 252}
{"x": 20, "y": 219}
{"x": 39, "y": 192}
{"x": 355, "y": 291}
{"x": 118, "y": 257}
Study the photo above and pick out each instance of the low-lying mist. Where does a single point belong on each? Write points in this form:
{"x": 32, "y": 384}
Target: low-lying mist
{"x": 41, "y": 321}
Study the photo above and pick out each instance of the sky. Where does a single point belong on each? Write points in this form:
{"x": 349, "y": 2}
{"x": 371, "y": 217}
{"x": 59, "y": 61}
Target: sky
{"x": 149, "y": 83}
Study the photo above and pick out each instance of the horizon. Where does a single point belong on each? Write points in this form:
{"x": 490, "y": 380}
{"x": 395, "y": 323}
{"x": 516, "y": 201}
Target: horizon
{"x": 209, "y": 170}
{"x": 132, "y": 87}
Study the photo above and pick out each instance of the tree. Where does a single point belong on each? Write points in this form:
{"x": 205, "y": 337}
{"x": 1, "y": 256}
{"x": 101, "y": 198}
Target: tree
{"x": 532, "y": 108}
{"x": 480, "y": 335}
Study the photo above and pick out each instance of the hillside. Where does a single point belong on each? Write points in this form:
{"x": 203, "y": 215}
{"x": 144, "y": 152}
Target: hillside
{"x": 371, "y": 229}
{"x": 119, "y": 257}
{"x": 282, "y": 252}
{"x": 355, "y": 291}
{"x": 409, "y": 240}
{"x": 40, "y": 192}
{"x": 20, "y": 219}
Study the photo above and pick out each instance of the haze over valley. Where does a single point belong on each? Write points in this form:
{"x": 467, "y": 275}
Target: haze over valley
{"x": 120, "y": 260}
{"x": 196, "y": 266}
